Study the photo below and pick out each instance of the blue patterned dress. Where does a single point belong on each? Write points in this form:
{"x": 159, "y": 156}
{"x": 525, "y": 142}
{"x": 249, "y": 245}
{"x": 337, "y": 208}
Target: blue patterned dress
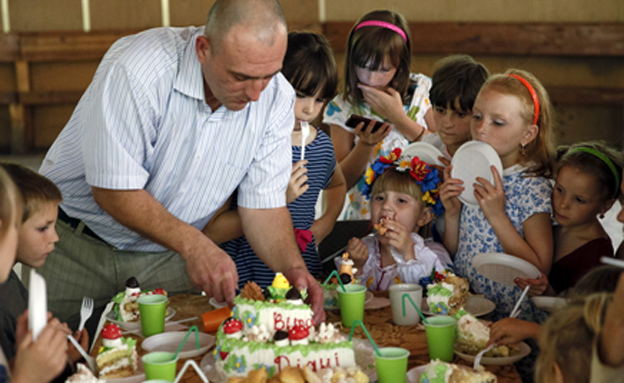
{"x": 526, "y": 196}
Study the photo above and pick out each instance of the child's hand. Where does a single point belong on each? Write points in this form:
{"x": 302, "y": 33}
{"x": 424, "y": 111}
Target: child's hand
{"x": 399, "y": 237}
{"x": 358, "y": 252}
{"x": 449, "y": 191}
{"x": 512, "y": 330}
{"x": 387, "y": 103}
{"x": 440, "y": 168}
{"x": 44, "y": 359}
{"x": 83, "y": 339}
{"x": 537, "y": 286}
{"x": 367, "y": 137}
{"x": 298, "y": 183}
{"x": 491, "y": 199}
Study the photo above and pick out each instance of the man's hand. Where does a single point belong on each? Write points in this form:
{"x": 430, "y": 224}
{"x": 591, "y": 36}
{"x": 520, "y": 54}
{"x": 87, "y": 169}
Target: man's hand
{"x": 301, "y": 279}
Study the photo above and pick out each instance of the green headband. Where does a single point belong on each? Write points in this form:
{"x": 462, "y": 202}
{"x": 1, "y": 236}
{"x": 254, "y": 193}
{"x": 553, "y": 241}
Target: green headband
{"x": 604, "y": 159}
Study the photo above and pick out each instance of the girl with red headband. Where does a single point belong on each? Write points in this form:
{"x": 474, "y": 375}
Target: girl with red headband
{"x": 378, "y": 86}
{"x": 513, "y": 114}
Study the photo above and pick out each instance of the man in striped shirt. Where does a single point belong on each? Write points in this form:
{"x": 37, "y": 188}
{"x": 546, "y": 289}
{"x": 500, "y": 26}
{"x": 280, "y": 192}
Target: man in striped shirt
{"x": 173, "y": 122}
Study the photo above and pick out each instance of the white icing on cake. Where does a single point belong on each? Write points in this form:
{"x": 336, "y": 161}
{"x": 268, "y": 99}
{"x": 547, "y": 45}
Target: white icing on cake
{"x": 471, "y": 328}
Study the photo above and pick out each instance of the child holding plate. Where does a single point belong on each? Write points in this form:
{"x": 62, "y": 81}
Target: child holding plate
{"x": 513, "y": 114}
{"x": 43, "y": 359}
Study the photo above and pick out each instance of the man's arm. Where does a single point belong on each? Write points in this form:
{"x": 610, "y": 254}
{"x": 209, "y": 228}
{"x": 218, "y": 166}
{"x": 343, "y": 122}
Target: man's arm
{"x": 209, "y": 267}
{"x": 271, "y": 235}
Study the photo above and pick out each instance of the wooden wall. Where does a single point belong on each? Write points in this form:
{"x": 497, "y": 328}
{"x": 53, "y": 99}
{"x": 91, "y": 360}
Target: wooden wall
{"x": 576, "y": 47}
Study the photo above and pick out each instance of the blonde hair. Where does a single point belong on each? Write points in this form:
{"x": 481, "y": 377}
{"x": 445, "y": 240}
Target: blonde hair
{"x": 567, "y": 339}
{"x": 539, "y": 152}
{"x": 400, "y": 182}
{"x": 10, "y": 203}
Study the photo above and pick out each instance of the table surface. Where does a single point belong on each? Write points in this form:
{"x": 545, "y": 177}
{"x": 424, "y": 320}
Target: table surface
{"x": 378, "y": 323}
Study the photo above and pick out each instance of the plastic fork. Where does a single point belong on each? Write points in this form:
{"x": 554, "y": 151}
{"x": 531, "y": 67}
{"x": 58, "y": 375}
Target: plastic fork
{"x": 305, "y": 132}
{"x": 85, "y": 311}
{"x": 88, "y": 358}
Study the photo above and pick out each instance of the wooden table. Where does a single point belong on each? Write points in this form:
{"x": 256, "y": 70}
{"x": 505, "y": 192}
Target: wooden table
{"x": 378, "y": 322}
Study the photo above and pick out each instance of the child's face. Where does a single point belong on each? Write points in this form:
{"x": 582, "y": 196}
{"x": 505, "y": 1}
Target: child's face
{"x": 575, "y": 197}
{"x": 37, "y": 236}
{"x": 307, "y": 108}
{"x": 379, "y": 78}
{"x": 497, "y": 121}
{"x": 399, "y": 207}
{"x": 452, "y": 126}
{"x": 8, "y": 247}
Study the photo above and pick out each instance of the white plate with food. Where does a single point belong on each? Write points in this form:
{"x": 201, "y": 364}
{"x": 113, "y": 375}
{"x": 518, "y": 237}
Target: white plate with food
{"x": 549, "y": 303}
{"x": 504, "y": 268}
{"x": 522, "y": 350}
{"x": 425, "y": 151}
{"x": 170, "y": 341}
{"x": 331, "y": 303}
{"x": 217, "y": 305}
{"x": 132, "y": 326}
{"x": 139, "y": 376}
{"x": 477, "y": 306}
{"x": 474, "y": 159}
{"x": 413, "y": 375}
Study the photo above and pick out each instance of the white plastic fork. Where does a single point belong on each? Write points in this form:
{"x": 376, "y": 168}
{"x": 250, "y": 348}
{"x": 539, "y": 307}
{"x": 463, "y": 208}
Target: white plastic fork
{"x": 88, "y": 358}
{"x": 305, "y": 132}
{"x": 86, "y": 310}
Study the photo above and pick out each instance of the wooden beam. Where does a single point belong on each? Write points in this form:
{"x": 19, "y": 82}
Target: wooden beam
{"x": 517, "y": 39}
{"x": 7, "y": 98}
{"x": 586, "y": 96}
{"x": 9, "y": 47}
{"x": 50, "y": 98}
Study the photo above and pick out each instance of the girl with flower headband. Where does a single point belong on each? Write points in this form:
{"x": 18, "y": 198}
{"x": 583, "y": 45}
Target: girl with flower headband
{"x": 378, "y": 86}
{"x": 587, "y": 183}
{"x": 404, "y": 198}
{"x": 513, "y": 114}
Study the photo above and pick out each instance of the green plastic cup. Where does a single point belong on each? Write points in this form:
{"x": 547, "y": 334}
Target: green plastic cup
{"x": 391, "y": 365}
{"x": 440, "y": 331}
{"x": 351, "y": 303}
{"x": 160, "y": 365}
{"x": 152, "y": 309}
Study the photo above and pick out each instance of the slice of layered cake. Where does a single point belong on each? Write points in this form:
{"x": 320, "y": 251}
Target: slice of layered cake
{"x": 440, "y": 372}
{"x": 117, "y": 358}
{"x": 447, "y": 293}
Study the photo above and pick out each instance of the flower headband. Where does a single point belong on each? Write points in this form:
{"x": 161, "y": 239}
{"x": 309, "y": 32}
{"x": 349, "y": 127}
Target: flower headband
{"x": 536, "y": 103}
{"x": 423, "y": 174}
{"x": 382, "y": 24}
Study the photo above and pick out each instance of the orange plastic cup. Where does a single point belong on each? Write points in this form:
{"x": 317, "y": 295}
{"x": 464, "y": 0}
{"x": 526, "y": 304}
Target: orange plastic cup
{"x": 213, "y": 319}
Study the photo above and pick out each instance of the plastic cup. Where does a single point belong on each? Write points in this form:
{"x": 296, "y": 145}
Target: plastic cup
{"x": 440, "y": 333}
{"x": 160, "y": 365}
{"x": 213, "y": 319}
{"x": 391, "y": 365}
{"x": 411, "y": 316}
{"x": 351, "y": 303}
{"x": 152, "y": 309}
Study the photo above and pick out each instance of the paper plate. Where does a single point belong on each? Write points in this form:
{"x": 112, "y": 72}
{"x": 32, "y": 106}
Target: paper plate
{"x": 377, "y": 303}
{"x": 217, "y": 305}
{"x": 426, "y": 152}
{"x": 170, "y": 341}
{"x": 131, "y": 326}
{"x": 413, "y": 375}
{"x": 332, "y": 303}
{"x": 549, "y": 303}
{"x": 139, "y": 376}
{"x": 473, "y": 159}
{"x": 523, "y": 350}
{"x": 477, "y": 306}
{"x": 504, "y": 268}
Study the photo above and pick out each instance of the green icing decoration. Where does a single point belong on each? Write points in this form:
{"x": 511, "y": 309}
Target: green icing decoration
{"x": 460, "y": 313}
{"x": 439, "y": 290}
{"x": 259, "y": 305}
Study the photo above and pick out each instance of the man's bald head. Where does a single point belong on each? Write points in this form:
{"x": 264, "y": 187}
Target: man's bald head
{"x": 263, "y": 17}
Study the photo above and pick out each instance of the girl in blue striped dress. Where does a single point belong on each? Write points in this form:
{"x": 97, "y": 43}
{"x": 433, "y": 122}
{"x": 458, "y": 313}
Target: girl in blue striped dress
{"x": 310, "y": 68}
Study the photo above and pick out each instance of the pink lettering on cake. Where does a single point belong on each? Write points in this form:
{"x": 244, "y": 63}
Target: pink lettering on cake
{"x": 279, "y": 323}
{"x": 283, "y": 361}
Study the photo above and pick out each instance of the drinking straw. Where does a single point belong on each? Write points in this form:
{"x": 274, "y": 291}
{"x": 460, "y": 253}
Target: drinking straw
{"x": 359, "y": 322}
{"x": 612, "y": 261}
{"x": 193, "y": 328}
{"x": 515, "y": 310}
{"x": 416, "y": 307}
{"x": 335, "y": 273}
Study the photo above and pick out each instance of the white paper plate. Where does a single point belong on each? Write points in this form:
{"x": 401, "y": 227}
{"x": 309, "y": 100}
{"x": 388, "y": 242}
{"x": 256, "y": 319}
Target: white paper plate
{"x": 132, "y": 326}
{"x": 368, "y": 298}
{"x": 504, "y": 268}
{"x": 413, "y": 375}
{"x": 170, "y": 341}
{"x": 523, "y": 350}
{"x": 426, "y": 152}
{"x": 37, "y": 304}
{"x": 217, "y": 305}
{"x": 477, "y": 306}
{"x": 549, "y": 303}
{"x": 139, "y": 376}
{"x": 364, "y": 357}
{"x": 473, "y": 159}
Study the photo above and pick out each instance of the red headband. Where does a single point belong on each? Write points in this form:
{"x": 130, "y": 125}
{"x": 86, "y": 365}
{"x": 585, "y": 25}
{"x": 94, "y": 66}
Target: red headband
{"x": 383, "y": 24}
{"x": 533, "y": 95}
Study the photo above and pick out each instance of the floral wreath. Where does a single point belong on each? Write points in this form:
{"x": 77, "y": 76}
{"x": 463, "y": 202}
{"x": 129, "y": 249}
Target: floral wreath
{"x": 423, "y": 174}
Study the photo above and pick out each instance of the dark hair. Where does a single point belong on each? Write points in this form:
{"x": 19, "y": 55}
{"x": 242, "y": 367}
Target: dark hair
{"x": 457, "y": 77}
{"x": 35, "y": 189}
{"x": 591, "y": 164}
{"x": 371, "y": 45}
{"x": 309, "y": 65}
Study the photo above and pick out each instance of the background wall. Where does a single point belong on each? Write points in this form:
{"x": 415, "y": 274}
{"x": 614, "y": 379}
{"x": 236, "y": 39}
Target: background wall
{"x": 40, "y": 90}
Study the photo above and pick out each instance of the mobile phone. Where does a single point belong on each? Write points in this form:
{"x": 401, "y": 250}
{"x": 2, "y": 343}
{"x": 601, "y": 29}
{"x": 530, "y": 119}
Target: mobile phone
{"x": 354, "y": 120}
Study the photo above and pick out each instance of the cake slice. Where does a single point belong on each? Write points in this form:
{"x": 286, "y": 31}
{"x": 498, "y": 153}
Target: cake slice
{"x": 440, "y": 372}
{"x": 447, "y": 294}
{"x": 126, "y": 307}
{"x": 117, "y": 358}
{"x": 472, "y": 337}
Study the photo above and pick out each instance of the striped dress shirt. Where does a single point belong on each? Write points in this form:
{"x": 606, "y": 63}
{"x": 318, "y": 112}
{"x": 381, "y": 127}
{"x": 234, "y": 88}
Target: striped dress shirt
{"x": 143, "y": 123}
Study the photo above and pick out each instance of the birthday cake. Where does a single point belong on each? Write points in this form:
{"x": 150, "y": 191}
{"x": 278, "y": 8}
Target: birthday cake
{"x": 440, "y": 372}
{"x": 117, "y": 358}
{"x": 273, "y": 329}
{"x": 447, "y": 293}
{"x": 473, "y": 336}
{"x": 126, "y": 307}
